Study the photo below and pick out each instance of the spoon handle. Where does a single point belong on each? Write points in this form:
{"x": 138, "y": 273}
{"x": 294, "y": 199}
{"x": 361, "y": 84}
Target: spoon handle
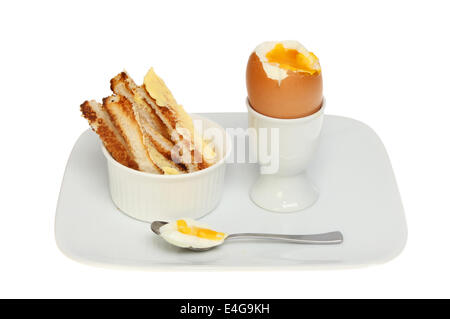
{"x": 314, "y": 239}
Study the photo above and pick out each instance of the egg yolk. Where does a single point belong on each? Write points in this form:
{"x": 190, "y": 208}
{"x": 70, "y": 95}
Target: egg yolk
{"x": 290, "y": 59}
{"x": 198, "y": 232}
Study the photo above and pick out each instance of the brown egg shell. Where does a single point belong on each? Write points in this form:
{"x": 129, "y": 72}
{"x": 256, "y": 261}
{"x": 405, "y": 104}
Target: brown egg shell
{"x": 298, "y": 95}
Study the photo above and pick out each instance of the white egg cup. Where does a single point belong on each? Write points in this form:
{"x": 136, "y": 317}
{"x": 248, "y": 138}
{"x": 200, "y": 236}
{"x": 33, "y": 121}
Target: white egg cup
{"x": 287, "y": 189}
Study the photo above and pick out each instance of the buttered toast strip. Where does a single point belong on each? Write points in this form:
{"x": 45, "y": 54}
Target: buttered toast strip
{"x": 160, "y": 147}
{"x": 178, "y": 122}
{"x": 101, "y": 123}
{"x": 144, "y": 128}
{"x": 122, "y": 115}
{"x": 122, "y": 84}
{"x": 161, "y": 155}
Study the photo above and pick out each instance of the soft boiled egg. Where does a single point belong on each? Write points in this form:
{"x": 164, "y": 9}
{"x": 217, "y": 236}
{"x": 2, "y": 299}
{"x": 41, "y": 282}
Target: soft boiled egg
{"x": 284, "y": 80}
{"x": 188, "y": 233}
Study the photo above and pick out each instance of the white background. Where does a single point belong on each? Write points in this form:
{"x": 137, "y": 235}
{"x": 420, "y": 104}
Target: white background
{"x": 384, "y": 63}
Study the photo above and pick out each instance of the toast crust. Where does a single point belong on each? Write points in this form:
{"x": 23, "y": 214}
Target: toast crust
{"x": 100, "y": 122}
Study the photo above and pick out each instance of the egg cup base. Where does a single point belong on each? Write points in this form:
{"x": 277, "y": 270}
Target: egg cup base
{"x": 284, "y": 194}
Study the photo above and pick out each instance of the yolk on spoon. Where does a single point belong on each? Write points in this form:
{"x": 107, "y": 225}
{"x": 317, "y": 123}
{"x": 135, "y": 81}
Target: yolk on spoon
{"x": 198, "y": 232}
{"x": 290, "y": 59}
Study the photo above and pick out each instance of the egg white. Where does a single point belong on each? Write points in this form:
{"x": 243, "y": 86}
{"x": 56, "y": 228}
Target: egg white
{"x": 273, "y": 71}
{"x": 171, "y": 234}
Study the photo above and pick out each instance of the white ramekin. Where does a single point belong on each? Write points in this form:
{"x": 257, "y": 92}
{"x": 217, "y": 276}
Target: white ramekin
{"x": 150, "y": 197}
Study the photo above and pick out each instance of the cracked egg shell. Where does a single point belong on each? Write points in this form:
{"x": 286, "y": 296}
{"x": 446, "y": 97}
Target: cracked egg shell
{"x": 297, "y": 95}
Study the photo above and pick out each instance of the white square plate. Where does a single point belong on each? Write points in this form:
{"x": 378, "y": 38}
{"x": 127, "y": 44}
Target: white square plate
{"x": 358, "y": 196}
